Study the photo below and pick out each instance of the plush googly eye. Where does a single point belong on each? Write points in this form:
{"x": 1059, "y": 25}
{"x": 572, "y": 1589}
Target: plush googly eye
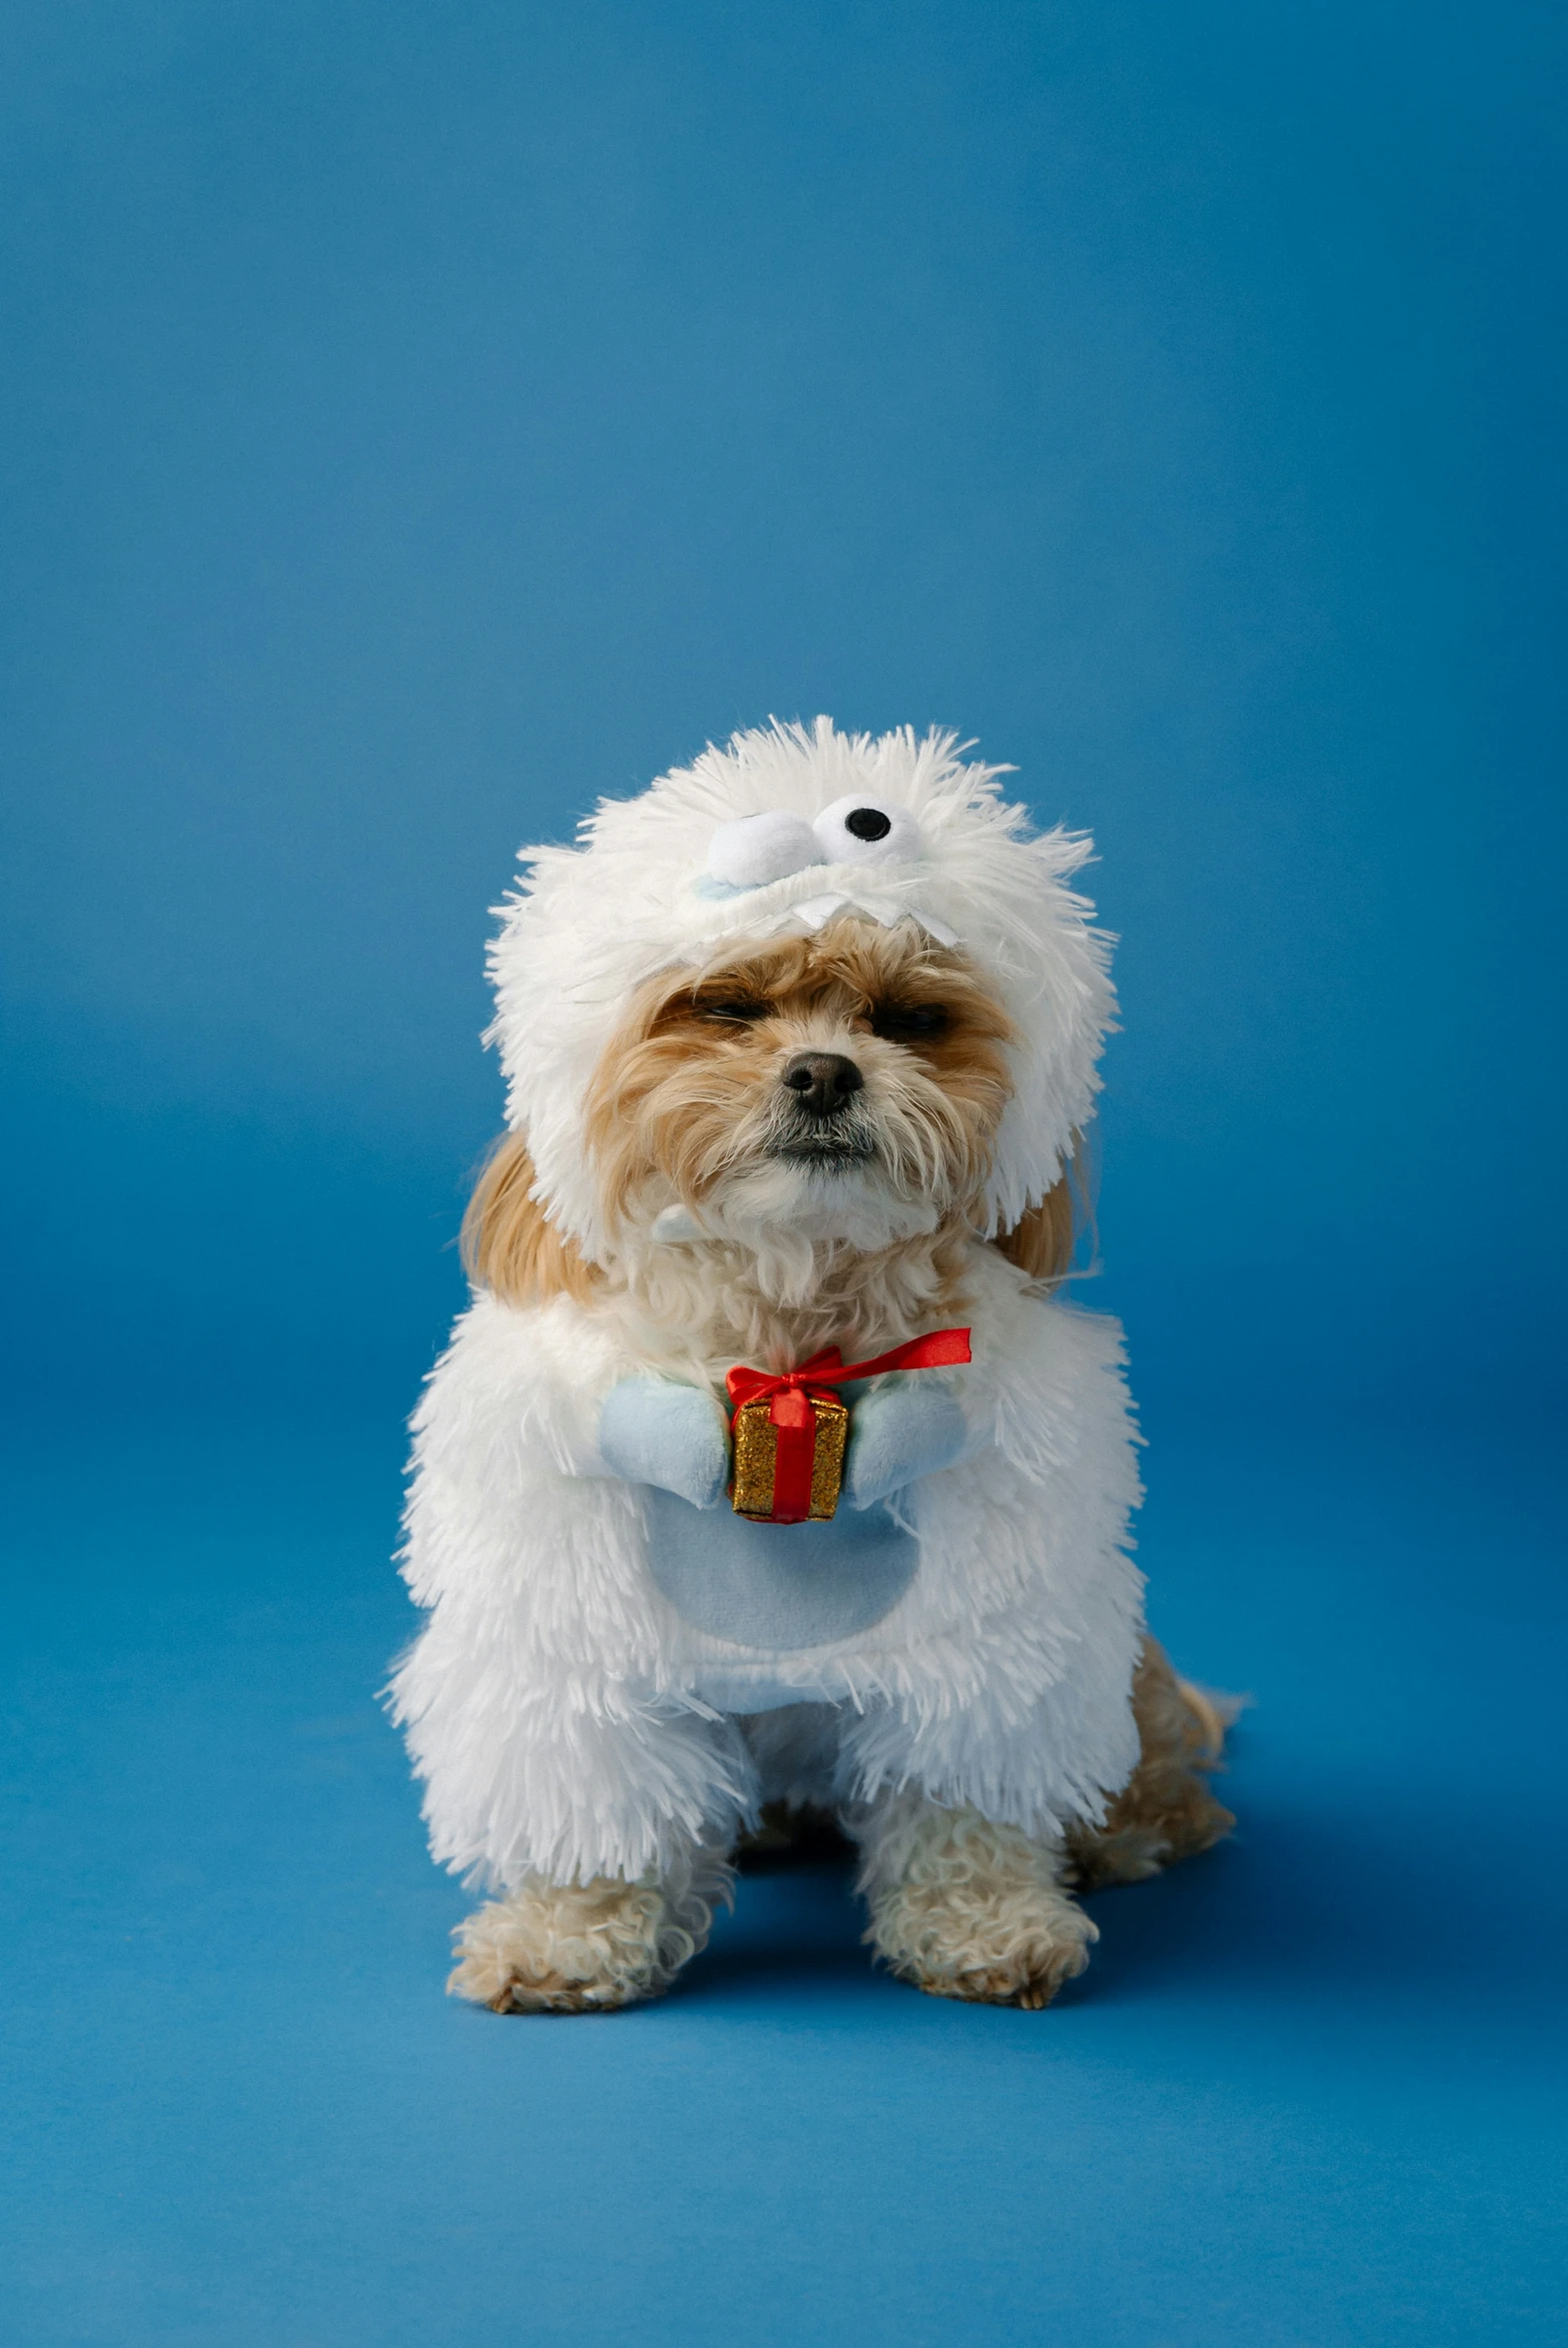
{"x": 754, "y": 850}
{"x": 862, "y": 831}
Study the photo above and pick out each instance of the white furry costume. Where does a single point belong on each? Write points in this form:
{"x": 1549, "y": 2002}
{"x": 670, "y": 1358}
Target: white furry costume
{"x": 567, "y": 1720}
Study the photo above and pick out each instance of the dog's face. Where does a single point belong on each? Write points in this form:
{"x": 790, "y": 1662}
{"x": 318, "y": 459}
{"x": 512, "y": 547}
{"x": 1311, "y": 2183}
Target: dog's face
{"x": 842, "y": 1087}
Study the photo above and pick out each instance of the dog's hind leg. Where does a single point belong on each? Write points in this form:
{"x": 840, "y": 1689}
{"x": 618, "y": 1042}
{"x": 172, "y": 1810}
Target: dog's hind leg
{"x": 1165, "y": 1812}
{"x": 964, "y": 1907}
{"x": 570, "y": 1949}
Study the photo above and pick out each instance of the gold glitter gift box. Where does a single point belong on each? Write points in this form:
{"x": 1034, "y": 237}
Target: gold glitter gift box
{"x": 772, "y": 1489}
{"x": 790, "y": 1429}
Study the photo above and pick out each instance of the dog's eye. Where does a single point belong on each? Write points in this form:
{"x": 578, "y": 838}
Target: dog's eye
{"x": 736, "y": 1011}
{"x": 908, "y": 1023}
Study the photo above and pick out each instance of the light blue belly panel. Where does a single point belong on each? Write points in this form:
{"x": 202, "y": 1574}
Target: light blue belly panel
{"x": 776, "y": 1585}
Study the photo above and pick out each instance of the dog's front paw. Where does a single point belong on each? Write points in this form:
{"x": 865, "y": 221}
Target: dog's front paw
{"x": 573, "y": 1948}
{"x": 976, "y": 1913}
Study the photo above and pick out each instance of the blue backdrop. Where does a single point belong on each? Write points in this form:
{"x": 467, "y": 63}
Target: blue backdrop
{"x": 418, "y": 420}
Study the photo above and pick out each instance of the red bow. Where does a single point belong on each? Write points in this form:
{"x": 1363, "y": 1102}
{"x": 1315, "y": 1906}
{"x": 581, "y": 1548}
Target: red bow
{"x": 788, "y": 1393}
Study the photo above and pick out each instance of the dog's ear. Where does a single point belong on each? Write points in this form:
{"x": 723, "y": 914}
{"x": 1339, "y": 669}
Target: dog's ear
{"x": 1041, "y": 1242}
{"x": 508, "y": 1246}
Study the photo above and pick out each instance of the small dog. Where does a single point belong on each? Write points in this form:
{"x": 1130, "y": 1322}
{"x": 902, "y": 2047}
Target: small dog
{"x": 800, "y": 1044}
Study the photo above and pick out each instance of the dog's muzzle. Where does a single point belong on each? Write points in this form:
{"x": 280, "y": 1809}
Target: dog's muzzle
{"x": 821, "y": 1116}
{"x": 824, "y": 1083}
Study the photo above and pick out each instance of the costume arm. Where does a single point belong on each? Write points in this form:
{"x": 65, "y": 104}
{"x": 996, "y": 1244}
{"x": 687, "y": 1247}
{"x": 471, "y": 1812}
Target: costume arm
{"x": 904, "y": 1429}
{"x": 652, "y": 1431}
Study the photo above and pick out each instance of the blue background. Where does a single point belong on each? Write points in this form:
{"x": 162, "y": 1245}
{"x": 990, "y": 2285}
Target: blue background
{"x": 418, "y": 420}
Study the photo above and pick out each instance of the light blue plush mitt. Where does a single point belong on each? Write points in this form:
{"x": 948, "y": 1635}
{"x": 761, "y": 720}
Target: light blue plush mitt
{"x": 652, "y": 1430}
{"x": 901, "y": 1428}
{"x": 778, "y": 1586}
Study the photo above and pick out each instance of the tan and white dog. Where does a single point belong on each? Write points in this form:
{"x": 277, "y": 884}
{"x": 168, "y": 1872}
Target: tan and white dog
{"x": 800, "y": 1044}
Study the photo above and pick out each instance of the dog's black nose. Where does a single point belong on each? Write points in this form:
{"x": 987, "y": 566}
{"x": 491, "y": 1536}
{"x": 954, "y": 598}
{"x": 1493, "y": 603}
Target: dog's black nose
{"x": 822, "y": 1081}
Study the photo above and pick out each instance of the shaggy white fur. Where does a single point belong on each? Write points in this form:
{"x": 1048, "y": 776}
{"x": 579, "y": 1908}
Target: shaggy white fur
{"x": 569, "y": 1723}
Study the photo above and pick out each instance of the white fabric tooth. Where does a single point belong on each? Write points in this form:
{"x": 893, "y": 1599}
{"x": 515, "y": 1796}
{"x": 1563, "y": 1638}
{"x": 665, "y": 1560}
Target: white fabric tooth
{"x": 886, "y": 910}
{"x": 816, "y": 910}
{"x": 938, "y": 930}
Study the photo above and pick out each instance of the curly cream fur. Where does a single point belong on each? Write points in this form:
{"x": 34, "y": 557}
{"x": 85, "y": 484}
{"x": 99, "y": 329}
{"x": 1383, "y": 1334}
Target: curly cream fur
{"x": 964, "y": 1907}
{"x": 588, "y": 1947}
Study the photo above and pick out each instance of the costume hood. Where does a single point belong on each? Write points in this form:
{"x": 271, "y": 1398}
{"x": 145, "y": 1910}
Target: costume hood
{"x": 778, "y": 830}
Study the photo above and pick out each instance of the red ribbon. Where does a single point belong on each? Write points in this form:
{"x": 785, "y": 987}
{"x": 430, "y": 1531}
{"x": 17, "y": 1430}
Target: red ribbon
{"x": 789, "y": 1394}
